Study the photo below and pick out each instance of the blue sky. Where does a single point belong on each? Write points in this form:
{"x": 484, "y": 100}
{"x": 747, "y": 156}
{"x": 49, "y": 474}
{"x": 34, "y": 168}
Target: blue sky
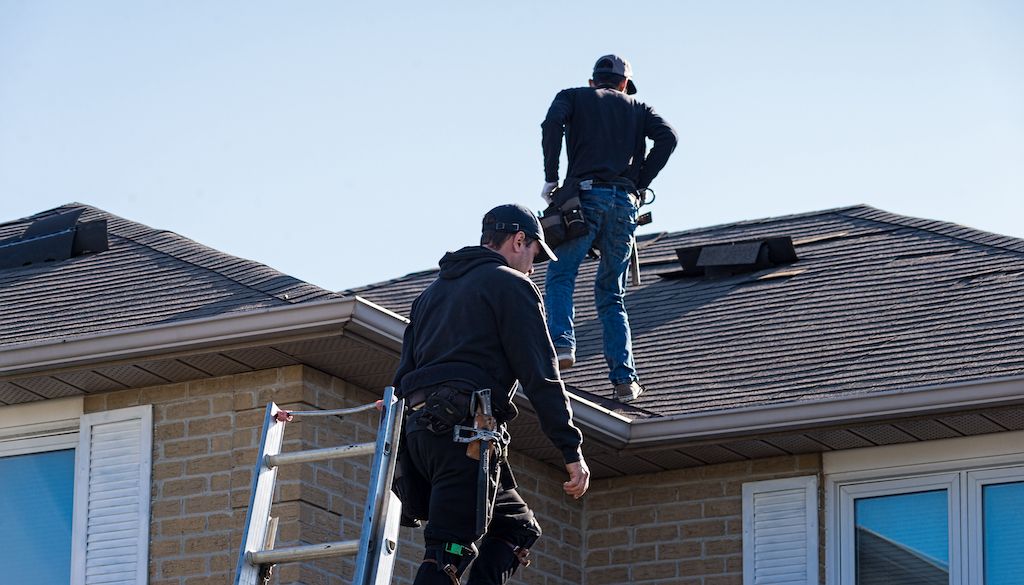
{"x": 347, "y": 143}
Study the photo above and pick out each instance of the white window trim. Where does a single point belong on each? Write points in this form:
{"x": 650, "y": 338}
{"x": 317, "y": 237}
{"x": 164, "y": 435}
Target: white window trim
{"x": 849, "y": 493}
{"x": 972, "y": 461}
{"x": 810, "y": 486}
{"x": 976, "y": 480}
{"x": 38, "y": 427}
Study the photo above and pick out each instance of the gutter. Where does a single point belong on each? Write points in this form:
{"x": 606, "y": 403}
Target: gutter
{"x": 846, "y": 410}
{"x": 625, "y": 434}
{"x": 231, "y": 331}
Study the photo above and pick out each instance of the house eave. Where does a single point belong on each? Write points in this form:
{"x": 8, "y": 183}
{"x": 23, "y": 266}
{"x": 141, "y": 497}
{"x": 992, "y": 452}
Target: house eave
{"x": 353, "y": 316}
{"x": 846, "y": 410}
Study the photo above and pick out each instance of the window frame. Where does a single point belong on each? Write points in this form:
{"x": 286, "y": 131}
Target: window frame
{"x": 976, "y": 480}
{"x": 849, "y": 493}
{"x": 43, "y": 427}
{"x": 966, "y": 465}
{"x": 52, "y": 425}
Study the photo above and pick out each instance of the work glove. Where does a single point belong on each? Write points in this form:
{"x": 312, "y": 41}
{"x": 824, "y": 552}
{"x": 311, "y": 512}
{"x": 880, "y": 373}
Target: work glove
{"x": 546, "y": 190}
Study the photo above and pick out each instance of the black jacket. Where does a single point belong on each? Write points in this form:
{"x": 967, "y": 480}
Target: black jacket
{"x": 605, "y": 133}
{"x": 483, "y": 322}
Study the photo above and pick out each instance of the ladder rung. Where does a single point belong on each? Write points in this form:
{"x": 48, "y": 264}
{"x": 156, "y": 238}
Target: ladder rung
{"x": 303, "y": 553}
{"x": 320, "y": 454}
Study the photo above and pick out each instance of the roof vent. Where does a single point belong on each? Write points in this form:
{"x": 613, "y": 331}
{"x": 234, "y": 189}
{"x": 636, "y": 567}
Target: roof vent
{"x": 53, "y": 238}
{"x": 736, "y": 257}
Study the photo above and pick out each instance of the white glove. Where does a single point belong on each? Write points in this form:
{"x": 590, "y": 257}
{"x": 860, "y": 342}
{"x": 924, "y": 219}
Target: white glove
{"x": 545, "y": 192}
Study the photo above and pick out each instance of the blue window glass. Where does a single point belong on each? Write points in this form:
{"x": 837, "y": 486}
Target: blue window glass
{"x": 902, "y": 539}
{"x": 1003, "y": 521}
{"x": 36, "y": 499}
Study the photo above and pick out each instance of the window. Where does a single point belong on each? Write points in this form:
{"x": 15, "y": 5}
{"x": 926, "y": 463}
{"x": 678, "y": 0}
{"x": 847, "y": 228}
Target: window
{"x": 998, "y": 523}
{"x": 74, "y": 494}
{"x": 37, "y": 471}
{"x": 908, "y": 522}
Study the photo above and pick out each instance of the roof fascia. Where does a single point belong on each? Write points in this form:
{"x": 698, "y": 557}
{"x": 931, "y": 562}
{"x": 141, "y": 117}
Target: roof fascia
{"x": 621, "y": 432}
{"x": 231, "y": 331}
{"x": 935, "y": 399}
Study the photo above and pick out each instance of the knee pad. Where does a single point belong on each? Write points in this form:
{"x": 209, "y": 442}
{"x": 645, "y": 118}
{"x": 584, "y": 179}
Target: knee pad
{"x": 499, "y": 559}
{"x": 523, "y": 534}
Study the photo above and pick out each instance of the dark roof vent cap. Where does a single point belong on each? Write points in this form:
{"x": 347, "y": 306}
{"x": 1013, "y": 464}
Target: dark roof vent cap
{"x": 53, "y": 238}
{"x": 736, "y": 257}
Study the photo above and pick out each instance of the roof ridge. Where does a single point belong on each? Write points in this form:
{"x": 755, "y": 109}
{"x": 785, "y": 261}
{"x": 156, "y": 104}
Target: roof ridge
{"x": 770, "y": 219}
{"x": 156, "y": 231}
{"x": 374, "y": 285}
{"x": 948, "y": 229}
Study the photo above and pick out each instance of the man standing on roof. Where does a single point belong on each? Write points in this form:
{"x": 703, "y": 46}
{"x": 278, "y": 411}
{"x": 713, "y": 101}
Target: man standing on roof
{"x": 605, "y": 131}
{"x": 479, "y": 325}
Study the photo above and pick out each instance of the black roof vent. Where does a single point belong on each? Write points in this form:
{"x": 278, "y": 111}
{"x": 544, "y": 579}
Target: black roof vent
{"x": 736, "y": 257}
{"x": 54, "y": 238}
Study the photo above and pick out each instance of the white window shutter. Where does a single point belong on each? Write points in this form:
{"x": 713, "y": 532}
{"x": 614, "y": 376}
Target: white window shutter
{"x": 110, "y": 537}
{"x": 780, "y": 531}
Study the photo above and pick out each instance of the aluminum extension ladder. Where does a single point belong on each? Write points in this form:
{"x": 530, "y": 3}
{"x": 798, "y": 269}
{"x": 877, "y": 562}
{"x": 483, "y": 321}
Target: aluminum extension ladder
{"x": 376, "y": 547}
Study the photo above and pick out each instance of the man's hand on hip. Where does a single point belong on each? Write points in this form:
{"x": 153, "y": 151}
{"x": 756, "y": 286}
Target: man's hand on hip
{"x": 545, "y": 192}
{"x": 579, "y": 479}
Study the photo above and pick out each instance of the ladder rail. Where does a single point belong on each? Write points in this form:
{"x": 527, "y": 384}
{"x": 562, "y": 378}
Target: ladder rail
{"x": 261, "y": 496}
{"x": 372, "y": 537}
{"x": 375, "y": 549}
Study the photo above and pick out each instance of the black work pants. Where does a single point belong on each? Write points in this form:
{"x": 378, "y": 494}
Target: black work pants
{"x": 443, "y": 491}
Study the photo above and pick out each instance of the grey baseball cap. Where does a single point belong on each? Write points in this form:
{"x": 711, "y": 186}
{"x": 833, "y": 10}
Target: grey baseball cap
{"x": 511, "y": 218}
{"x": 618, "y": 66}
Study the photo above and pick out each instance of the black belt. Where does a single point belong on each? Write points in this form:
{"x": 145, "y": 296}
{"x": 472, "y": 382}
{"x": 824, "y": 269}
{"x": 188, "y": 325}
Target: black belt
{"x": 416, "y": 400}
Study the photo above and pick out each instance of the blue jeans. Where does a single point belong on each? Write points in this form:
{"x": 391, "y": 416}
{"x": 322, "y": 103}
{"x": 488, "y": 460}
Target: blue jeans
{"x": 611, "y": 220}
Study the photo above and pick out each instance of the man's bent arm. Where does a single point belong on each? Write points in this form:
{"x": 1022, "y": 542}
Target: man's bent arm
{"x": 665, "y": 140}
{"x": 528, "y": 349}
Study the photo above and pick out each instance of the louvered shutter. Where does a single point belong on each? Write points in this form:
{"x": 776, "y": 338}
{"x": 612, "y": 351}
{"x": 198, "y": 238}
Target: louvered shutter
{"x": 780, "y": 531}
{"x": 110, "y": 540}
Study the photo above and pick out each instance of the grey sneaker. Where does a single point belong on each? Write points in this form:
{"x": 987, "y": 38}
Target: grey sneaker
{"x": 628, "y": 391}
{"x": 566, "y": 357}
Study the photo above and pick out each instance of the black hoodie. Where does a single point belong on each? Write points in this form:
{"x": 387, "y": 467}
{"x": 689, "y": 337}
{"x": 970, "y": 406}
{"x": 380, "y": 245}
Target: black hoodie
{"x": 483, "y": 322}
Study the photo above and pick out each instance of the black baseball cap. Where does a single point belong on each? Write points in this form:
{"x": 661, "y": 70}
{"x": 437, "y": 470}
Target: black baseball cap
{"x": 618, "y": 66}
{"x": 511, "y": 218}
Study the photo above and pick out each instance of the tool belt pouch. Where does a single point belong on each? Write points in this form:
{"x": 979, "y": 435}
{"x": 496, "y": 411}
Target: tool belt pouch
{"x": 446, "y": 408}
{"x": 572, "y": 217}
{"x": 563, "y": 220}
{"x": 554, "y": 228}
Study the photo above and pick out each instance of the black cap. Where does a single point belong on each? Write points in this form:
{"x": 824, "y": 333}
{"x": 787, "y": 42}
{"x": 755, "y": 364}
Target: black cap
{"x": 511, "y": 218}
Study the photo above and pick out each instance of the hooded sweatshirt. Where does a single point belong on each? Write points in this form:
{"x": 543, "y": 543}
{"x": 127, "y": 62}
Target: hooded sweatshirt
{"x": 483, "y": 322}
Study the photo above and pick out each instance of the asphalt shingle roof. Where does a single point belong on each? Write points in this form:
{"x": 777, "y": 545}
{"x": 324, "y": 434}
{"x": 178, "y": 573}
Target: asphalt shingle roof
{"x": 875, "y": 302}
{"x": 147, "y": 277}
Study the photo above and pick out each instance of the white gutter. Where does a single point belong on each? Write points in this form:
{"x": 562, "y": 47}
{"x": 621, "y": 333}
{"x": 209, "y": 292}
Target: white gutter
{"x": 926, "y": 400}
{"x": 621, "y": 432}
{"x": 230, "y": 331}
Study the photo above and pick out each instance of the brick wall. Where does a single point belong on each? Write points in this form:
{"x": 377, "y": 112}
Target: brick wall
{"x": 682, "y": 527}
{"x": 205, "y": 437}
{"x": 206, "y": 434}
{"x": 675, "y": 527}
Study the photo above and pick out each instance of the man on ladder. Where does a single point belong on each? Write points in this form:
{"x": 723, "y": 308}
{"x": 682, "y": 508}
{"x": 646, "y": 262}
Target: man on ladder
{"x": 474, "y": 332}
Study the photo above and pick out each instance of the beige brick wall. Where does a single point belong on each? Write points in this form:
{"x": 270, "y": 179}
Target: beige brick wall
{"x": 206, "y": 434}
{"x": 675, "y": 527}
{"x": 683, "y": 527}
